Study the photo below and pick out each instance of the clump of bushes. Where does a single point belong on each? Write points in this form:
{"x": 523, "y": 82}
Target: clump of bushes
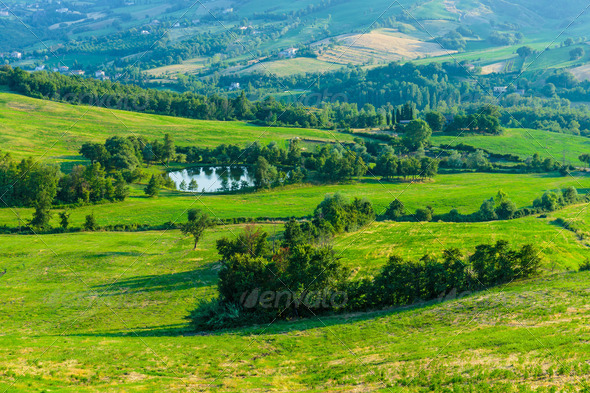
{"x": 303, "y": 277}
{"x": 499, "y": 207}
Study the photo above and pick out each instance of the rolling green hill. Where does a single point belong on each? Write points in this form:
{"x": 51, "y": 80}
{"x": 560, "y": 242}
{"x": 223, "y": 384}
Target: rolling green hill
{"x": 32, "y": 127}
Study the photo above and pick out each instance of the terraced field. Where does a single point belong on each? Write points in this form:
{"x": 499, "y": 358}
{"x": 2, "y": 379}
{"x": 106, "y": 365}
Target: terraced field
{"x": 383, "y": 45}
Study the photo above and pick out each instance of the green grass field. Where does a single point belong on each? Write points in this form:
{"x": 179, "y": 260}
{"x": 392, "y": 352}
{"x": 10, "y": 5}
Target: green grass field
{"x": 464, "y": 192}
{"x": 524, "y": 143}
{"x": 67, "y": 329}
{"x": 31, "y": 127}
{"x": 106, "y": 311}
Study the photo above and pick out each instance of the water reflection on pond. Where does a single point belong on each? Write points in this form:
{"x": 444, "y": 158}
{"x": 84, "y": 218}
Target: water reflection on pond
{"x": 212, "y": 178}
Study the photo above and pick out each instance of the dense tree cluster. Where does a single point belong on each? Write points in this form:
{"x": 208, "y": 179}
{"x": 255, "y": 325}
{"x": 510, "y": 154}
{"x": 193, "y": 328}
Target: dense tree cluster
{"x": 259, "y": 283}
{"x": 452, "y": 40}
{"x": 336, "y": 163}
{"x": 479, "y": 123}
{"x": 402, "y": 282}
{"x": 26, "y": 182}
{"x": 390, "y": 166}
{"x": 127, "y": 154}
{"x": 91, "y": 183}
{"x": 39, "y": 185}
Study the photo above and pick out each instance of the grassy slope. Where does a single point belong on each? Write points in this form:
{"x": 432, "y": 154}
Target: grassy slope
{"x": 464, "y": 192}
{"x": 65, "y": 329}
{"x": 524, "y": 143}
{"x": 31, "y": 127}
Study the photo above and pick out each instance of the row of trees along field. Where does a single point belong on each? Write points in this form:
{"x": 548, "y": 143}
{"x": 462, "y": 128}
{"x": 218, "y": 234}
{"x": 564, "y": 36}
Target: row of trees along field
{"x": 268, "y": 111}
{"x": 499, "y": 207}
{"x": 40, "y": 185}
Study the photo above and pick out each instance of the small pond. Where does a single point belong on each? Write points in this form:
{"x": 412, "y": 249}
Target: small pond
{"x": 213, "y": 178}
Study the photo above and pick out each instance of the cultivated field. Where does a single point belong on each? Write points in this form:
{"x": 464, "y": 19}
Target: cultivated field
{"x": 383, "y": 45}
{"x": 186, "y": 67}
{"x": 285, "y": 67}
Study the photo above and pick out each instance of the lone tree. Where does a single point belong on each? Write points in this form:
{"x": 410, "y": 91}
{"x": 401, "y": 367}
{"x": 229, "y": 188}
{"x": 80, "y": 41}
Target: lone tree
{"x": 193, "y": 186}
{"x": 198, "y": 221}
{"x": 416, "y": 134}
{"x": 169, "y": 150}
{"x": 576, "y": 53}
{"x": 90, "y": 223}
{"x": 153, "y": 187}
{"x": 435, "y": 120}
{"x": 585, "y": 158}
{"x": 42, "y": 213}
{"x": 524, "y": 51}
{"x": 64, "y": 220}
{"x": 395, "y": 210}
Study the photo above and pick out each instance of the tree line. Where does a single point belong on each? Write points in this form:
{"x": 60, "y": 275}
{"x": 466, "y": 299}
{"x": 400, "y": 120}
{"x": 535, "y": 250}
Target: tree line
{"x": 76, "y": 90}
{"x": 499, "y": 207}
{"x": 28, "y": 183}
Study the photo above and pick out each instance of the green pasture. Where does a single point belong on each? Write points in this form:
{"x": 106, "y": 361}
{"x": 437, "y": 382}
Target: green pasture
{"x": 90, "y": 312}
{"x": 465, "y": 192}
{"x": 524, "y": 143}
{"x": 39, "y": 128}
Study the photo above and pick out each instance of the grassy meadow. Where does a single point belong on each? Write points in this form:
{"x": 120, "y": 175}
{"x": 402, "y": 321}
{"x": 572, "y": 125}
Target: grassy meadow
{"x": 89, "y": 312}
{"x": 106, "y": 311}
{"x": 524, "y": 143}
{"x": 464, "y": 192}
{"x": 32, "y": 127}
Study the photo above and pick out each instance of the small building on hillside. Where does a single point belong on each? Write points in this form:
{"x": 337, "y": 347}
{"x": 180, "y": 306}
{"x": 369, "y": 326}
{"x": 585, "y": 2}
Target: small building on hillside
{"x": 288, "y": 53}
{"x": 234, "y": 86}
{"x": 16, "y": 55}
{"x": 500, "y": 89}
{"x": 77, "y": 72}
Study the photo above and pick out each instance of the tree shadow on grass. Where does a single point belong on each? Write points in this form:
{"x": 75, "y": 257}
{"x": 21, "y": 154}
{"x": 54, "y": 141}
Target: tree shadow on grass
{"x": 277, "y": 327}
{"x": 178, "y": 281}
{"x": 172, "y": 330}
